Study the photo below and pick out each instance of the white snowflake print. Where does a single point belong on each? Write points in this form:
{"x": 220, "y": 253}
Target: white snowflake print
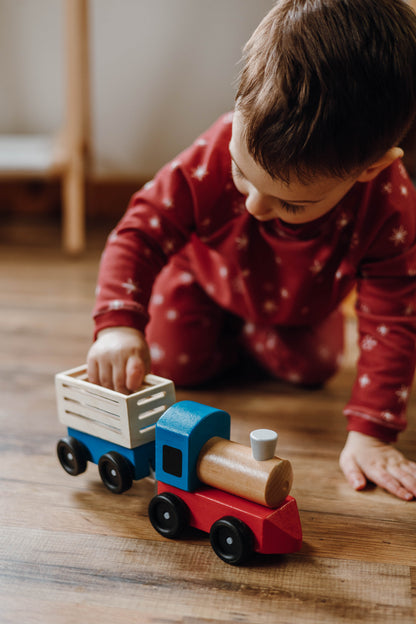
{"x": 409, "y": 310}
{"x": 259, "y": 347}
{"x": 168, "y": 202}
{"x": 342, "y": 221}
{"x": 97, "y": 290}
{"x": 168, "y": 246}
{"x": 399, "y": 235}
{"x": 388, "y": 416}
{"x": 241, "y": 242}
{"x": 175, "y": 164}
{"x": 239, "y": 206}
{"x": 338, "y": 274}
{"x": 402, "y": 170}
{"x": 157, "y": 299}
{"x": 269, "y": 306}
{"x": 271, "y": 342}
{"x": 223, "y": 271}
{"x": 183, "y": 359}
{"x": 237, "y": 285}
{"x": 411, "y": 271}
{"x": 210, "y": 289}
{"x": 364, "y": 381}
{"x": 382, "y": 330}
{"x": 278, "y": 260}
{"x": 403, "y": 394}
{"x": 316, "y": 267}
{"x": 284, "y": 293}
{"x": 149, "y": 185}
{"x": 186, "y": 278}
{"x": 294, "y": 377}
{"x": 387, "y": 188}
{"x": 201, "y": 142}
{"x": 172, "y": 315}
{"x": 404, "y": 190}
{"x": 130, "y": 286}
{"x": 228, "y": 118}
{"x": 116, "y": 304}
{"x": 355, "y": 240}
{"x": 200, "y": 172}
{"x": 154, "y": 223}
{"x": 368, "y": 343}
{"x": 249, "y": 329}
{"x": 112, "y": 236}
{"x": 156, "y": 352}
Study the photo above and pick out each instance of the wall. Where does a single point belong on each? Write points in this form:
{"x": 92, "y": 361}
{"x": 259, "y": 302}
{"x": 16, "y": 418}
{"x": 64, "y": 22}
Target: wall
{"x": 162, "y": 71}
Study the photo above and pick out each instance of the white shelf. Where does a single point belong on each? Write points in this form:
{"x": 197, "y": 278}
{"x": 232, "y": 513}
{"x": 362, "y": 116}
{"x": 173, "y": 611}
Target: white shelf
{"x": 27, "y": 155}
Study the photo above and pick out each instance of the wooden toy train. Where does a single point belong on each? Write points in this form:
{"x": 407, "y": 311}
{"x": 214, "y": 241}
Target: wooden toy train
{"x": 204, "y": 480}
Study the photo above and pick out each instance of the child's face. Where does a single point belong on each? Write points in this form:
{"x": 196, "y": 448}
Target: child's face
{"x": 267, "y": 198}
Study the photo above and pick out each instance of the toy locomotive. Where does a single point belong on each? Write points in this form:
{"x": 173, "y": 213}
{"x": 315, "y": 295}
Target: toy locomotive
{"x": 204, "y": 480}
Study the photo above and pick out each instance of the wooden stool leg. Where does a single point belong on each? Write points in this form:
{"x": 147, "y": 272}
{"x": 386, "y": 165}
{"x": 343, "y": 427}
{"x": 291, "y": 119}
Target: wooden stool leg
{"x": 73, "y": 203}
{"x": 77, "y": 126}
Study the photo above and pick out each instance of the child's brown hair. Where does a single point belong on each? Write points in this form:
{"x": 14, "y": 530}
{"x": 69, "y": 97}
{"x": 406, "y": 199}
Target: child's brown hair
{"x": 328, "y": 86}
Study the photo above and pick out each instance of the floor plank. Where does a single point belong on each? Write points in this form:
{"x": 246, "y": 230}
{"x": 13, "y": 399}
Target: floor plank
{"x": 70, "y": 551}
{"x": 163, "y": 579}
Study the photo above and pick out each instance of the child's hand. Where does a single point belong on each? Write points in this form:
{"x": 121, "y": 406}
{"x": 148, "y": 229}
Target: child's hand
{"x": 119, "y": 359}
{"x": 364, "y": 457}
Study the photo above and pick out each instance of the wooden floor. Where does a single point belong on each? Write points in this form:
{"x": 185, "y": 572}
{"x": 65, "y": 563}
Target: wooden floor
{"x": 73, "y": 552}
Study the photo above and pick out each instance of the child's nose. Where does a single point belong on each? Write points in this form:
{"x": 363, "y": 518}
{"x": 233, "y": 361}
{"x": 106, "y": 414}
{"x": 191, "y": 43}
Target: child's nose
{"x": 255, "y": 202}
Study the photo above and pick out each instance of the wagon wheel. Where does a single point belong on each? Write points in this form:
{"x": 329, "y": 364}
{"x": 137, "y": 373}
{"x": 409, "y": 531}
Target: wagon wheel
{"x": 116, "y": 472}
{"x": 72, "y": 455}
{"x": 232, "y": 540}
{"x": 168, "y": 514}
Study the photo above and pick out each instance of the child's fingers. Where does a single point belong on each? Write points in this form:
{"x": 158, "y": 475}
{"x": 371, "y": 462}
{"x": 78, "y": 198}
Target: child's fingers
{"x": 119, "y": 376}
{"x": 105, "y": 374}
{"x": 92, "y": 371}
{"x": 352, "y": 471}
{"x": 135, "y": 372}
{"x": 406, "y": 476}
{"x": 380, "y": 476}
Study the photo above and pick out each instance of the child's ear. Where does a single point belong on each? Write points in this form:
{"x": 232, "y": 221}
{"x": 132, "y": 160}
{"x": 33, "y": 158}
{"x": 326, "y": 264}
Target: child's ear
{"x": 373, "y": 170}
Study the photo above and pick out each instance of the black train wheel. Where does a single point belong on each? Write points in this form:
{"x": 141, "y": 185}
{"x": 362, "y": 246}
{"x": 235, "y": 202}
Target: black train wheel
{"x": 232, "y": 540}
{"x": 72, "y": 455}
{"x": 116, "y": 472}
{"x": 168, "y": 514}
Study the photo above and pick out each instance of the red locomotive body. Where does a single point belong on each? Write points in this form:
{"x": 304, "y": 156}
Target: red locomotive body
{"x": 274, "y": 530}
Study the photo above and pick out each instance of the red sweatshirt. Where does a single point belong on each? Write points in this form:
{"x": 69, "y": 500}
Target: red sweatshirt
{"x": 368, "y": 240}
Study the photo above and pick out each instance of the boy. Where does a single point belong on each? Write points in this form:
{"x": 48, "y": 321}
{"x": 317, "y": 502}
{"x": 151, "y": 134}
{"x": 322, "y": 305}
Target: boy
{"x": 253, "y": 236}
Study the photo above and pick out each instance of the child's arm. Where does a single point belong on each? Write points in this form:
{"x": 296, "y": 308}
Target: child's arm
{"x": 364, "y": 457}
{"x": 119, "y": 359}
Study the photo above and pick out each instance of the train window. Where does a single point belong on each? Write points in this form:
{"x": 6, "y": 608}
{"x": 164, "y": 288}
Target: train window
{"x": 172, "y": 461}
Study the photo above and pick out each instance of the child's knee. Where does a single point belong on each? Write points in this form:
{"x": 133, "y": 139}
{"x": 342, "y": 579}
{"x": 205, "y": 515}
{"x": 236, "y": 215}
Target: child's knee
{"x": 183, "y": 369}
{"x": 304, "y": 369}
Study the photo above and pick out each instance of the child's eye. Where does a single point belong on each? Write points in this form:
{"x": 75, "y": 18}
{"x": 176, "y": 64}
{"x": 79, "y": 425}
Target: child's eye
{"x": 292, "y": 208}
{"x": 236, "y": 171}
